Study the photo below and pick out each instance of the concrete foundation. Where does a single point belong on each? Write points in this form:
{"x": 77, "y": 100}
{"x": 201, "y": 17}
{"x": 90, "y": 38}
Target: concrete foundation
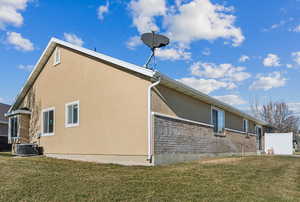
{"x": 108, "y": 159}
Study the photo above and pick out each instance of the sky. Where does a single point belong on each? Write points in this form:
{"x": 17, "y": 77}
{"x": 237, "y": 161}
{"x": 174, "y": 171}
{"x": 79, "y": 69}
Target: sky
{"x": 236, "y": 51}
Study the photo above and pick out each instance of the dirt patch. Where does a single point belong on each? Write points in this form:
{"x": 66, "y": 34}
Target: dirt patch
{"x": 220, "y": 161}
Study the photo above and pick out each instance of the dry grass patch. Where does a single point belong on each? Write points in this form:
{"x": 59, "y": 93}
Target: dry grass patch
{"x": 228, "y": 179}
{"x": 221, "y": 160}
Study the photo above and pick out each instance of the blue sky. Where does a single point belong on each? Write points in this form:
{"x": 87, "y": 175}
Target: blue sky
{"x": 235, "y": 50}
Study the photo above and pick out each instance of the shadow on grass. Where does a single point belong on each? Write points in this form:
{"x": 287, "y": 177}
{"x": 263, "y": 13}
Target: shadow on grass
{"x": 6, "y": 154}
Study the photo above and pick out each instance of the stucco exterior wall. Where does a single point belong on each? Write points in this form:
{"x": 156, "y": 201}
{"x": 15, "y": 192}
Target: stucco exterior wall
{"x": 113, "y": 107}
{"x": 170, "y": 102}
{"x": 24, "y": 120}
{"x": 177, "y": 140}
{"x": 233, "y": 121}
{"x": 252, "y": 127}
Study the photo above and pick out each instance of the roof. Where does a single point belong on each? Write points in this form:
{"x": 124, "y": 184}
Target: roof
{"x": 3, "y": 109}
{"x": 165, "y": 80}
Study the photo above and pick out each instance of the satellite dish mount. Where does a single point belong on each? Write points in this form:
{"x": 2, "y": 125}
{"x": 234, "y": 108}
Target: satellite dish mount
{"x": 154, "y": 41}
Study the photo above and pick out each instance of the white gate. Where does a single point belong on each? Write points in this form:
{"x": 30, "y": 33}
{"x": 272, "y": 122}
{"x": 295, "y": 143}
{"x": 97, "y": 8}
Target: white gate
{"x": 279, "y": 143}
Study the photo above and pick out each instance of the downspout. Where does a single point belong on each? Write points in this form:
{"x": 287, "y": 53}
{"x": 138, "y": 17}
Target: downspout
{"x": 150, "y": 119}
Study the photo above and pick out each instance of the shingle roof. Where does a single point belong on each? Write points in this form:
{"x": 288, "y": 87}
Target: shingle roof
{"x": 3, "y": 109}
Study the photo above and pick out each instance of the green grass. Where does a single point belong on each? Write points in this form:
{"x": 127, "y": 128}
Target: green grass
{"x": 249, "y": 179}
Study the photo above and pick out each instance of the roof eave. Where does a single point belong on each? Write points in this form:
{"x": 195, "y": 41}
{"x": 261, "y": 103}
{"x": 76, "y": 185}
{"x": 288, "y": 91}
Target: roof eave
{"x": 165, "y": 80}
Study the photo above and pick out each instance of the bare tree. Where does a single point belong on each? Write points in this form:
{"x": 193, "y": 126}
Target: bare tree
{"x": 278, "y": 115}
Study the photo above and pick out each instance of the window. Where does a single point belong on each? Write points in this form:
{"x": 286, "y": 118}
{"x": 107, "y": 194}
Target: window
{"x": 13, "y": 126}
{"x": 57, "y": 56}
{"x": 245, "y": 125}
{"x": 72, "y": 114}
{"x": 48, "y": 122}
{"x": 218, "y": 120}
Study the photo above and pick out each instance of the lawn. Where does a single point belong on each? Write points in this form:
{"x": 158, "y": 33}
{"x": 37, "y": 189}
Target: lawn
{"x": 230, "y": 179}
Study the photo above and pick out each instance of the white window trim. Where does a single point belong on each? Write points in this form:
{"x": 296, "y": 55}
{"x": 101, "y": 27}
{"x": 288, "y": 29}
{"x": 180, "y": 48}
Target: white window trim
{"x": 57, "y": 51}
{"x": 69, "y": 125}
{"x": 211, "y": 115}
{"x": 247, "y": 129}
{"x": 9, "y": 128}
{"x": 42, "y": 121}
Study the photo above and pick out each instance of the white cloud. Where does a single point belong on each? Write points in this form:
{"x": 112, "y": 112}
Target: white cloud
{"x": 144, "y": 13}
{"x": 10, "y": 12}
{"x": 231, "y": 99}
{"x": 267, "y": 82}
{"x": 72, "y": 38}
{"x": 206, "y": 52}
{"x": 289, "y": 66}
{"x": 187, "y": 22}
{"x": 26, "y": 67}
{"x": 103, "y": 10}
{"x": 202, "y": 20}
{"x": 206, "y": 85}
{"x": 272, "y": 60}
{"x": 1, "y": 99}
{"x": 295, "y": 107}
{"x": 223, "y": 71}
{"x": 278, "y": 25}
{"x": 296, "y": 29}
{"x": 244, "y": 58}
{"x": 173, "y": 54}
{"x": 133, "y": 42}
{"x": 19, "y": 42}
{"x": 296, "y": 57}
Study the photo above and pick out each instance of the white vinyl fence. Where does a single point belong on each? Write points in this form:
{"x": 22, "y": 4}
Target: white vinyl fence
{"x": 279, "y": 143}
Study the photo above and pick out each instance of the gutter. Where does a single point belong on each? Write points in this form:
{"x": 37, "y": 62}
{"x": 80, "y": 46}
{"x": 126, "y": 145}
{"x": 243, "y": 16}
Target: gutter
{"x": 150, "y": 132}
{"x": 19, "y": 111}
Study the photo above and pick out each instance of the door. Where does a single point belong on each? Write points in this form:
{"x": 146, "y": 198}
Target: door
{"x": 258, "y": 138}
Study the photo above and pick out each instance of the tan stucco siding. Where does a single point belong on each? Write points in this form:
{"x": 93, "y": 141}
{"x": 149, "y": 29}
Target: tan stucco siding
{"x": 233, "y": 121}
{"x": 113, "y": 107}
{"x": 170, "y": 102}
{"x": 252, "y": 127}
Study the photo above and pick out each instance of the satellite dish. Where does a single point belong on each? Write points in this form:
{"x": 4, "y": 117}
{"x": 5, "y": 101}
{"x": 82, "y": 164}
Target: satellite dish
{"x": 154, "y": 41}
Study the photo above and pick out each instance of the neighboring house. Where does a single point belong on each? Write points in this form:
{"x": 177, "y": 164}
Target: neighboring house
{"x": 80, "y": 104}
{"x": 4, "y": 146}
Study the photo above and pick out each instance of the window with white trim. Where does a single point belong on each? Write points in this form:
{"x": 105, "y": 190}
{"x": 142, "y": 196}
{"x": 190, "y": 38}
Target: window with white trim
{"x": 57, "y": 56}
{"x": 218, "y": 120}
{"x": 72, "y": 114}
{"x": 245, "y": 125}
{"x": 13, "y": 126}
{"x": 48, "y": 121}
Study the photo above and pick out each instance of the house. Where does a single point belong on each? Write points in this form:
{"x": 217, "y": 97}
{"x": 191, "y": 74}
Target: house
{"x": 80, "y": 104}
{"x": 4, "y": 146}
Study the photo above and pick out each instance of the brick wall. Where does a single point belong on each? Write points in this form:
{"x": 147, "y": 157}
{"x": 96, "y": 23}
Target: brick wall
{"x": 173, "y": 136}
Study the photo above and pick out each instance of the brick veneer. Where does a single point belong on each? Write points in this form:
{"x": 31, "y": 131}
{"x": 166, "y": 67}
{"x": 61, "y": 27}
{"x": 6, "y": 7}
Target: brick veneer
{"x": 173, "y": 136}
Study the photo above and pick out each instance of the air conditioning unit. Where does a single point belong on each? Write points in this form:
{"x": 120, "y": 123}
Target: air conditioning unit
{"x": 27, "y": 150}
